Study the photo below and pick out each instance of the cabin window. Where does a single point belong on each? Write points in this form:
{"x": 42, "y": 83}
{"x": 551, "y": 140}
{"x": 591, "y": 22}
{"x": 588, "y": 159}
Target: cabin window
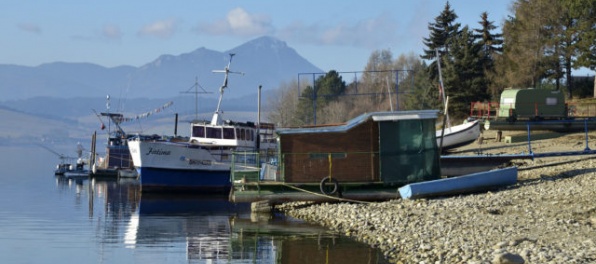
{"x": 228, "y": 133}
{"x": 508, "y": 101}
{"x": 551, "y": 101}
{"x": 242, "y": 134}
{"x": 251, "y": 137}
{"x": 198, "y": 131}
{"x": 337, "y": 155}
{"x": 214, "y": 132}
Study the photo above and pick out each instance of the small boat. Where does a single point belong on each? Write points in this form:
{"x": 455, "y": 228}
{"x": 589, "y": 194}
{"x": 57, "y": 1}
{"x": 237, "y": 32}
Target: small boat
{"x": 127, "y": 173}
{"x": 77, "y": 170}
{"x": 476, "y": 182}
{"x": 70, "y": 166}
{"x": 460, "y": 135}
{"x": 203, "y": 162}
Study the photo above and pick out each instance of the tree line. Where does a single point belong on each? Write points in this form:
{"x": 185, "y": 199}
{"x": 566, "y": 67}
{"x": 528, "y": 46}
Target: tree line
{"x": 540, "y": 44}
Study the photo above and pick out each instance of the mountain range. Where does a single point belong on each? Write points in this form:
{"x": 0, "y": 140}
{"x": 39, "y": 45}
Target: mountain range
{"x": 264, "y": 61}
{"x": 56, "y": 101}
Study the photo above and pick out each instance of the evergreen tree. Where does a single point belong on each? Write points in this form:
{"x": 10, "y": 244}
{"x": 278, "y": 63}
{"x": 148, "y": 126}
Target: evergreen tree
{"x": 492, "y": 46}
{"x": 419, "y": 93}
{"x": 463, "y": 74}
{"x": 313, "y": 100}
{"x": 441, "y": 32}
{"x": 491, "y": 43}
{"x": 330, "y": 86}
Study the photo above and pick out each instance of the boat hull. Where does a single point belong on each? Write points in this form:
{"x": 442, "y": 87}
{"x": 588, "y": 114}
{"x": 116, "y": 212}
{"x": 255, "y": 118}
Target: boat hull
{"x": 169, "y": 180}
{"x": 475, "y": 182}
{"x": 176, "y": 167}
{"x": 459, "y": 135}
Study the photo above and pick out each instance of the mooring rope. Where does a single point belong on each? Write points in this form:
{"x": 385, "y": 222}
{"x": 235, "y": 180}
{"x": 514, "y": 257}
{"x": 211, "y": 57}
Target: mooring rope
{"x": 326, "y": 196}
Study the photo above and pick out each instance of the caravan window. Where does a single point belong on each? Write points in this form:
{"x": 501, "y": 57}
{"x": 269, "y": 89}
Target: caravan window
{"x": 228, "y": 133}
{"x": 214, "y": 132}
{"x": 551, "y": 101}
{"x": 198, "y": 131}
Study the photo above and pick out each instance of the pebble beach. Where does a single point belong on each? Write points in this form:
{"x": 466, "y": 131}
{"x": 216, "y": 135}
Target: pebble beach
{"x": 548, "y": 216}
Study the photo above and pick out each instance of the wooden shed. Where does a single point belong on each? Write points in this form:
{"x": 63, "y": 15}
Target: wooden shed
{"x": 392, "y": 148}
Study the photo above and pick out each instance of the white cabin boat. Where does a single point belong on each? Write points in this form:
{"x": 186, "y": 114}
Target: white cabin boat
{"x": 204, "y": 161}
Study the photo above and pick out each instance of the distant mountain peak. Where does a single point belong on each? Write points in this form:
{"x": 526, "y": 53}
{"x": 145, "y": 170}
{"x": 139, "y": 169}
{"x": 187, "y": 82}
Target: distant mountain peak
{"x": 267, "y": 42}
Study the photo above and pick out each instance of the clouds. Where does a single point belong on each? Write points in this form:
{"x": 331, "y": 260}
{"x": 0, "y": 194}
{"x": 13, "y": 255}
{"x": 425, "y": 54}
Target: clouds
{"x": 238, "y": 22}
{"x": 161, "y": 29}
{"x": 368, "y": 33}
{"x": 29, "y": 27}
{"x": 111, "y": 32}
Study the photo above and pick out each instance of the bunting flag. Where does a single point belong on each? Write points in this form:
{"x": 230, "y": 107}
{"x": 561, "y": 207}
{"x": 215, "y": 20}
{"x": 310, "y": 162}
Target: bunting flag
{"x": 147, "y": 114}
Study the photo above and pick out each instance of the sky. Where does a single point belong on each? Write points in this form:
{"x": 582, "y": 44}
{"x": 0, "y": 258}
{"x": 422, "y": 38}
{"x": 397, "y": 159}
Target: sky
{"x": 333, "y": 35}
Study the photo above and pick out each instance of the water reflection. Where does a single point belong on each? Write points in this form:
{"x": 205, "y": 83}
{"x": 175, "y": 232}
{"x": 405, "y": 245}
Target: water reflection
{"x": 207, "y": 228}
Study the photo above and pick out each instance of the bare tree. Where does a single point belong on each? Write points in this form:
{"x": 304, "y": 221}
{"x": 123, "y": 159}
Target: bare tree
{"x": 283, "y": 104}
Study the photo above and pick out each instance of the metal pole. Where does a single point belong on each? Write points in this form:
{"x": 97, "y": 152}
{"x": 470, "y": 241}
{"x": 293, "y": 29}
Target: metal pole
{"x": 442, "y": 86}
{"x": 586, "y": 130}
{"x": 314, "y": 100}
{"x": 176, "y": 125}
{"x": 259, "y": 119}
{"x": 396, "y": 90}
{"x": 529, "y": 140}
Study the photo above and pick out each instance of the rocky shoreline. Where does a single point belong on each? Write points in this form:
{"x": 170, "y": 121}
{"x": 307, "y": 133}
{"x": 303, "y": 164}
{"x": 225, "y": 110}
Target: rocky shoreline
{"x": 549, "y": 216}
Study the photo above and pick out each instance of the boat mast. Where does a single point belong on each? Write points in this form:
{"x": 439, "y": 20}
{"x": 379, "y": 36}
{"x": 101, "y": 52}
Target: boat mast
{"x": 442, "y": 88}
{"x": 216, "y": 120}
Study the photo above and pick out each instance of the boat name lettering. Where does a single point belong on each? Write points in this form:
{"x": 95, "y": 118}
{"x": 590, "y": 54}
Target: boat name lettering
{"x": 199, "y": 162}
{"x": 160, "y": 152}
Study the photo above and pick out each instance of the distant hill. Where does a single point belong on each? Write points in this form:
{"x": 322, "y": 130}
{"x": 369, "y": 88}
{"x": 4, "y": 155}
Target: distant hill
{"x": 23, "y": 128}
{"x": 49, "y": 119}
{"x": 265, "y": 61}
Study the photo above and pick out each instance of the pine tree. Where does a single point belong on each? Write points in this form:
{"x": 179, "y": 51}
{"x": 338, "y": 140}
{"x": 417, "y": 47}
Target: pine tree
{"x": 441, "y": 32}
{"x": 492, "y": 46}
{"x": 463, "y": 74}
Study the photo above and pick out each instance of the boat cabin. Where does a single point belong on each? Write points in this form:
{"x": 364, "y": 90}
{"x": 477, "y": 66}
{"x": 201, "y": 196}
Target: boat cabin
{"x": 232, "y": 134}
{"x": 392, "y": 148}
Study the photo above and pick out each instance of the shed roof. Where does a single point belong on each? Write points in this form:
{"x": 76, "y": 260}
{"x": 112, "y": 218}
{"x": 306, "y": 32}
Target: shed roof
{"x": 375, "y": 116}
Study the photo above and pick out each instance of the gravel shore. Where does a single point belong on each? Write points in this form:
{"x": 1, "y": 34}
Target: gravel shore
{"x": 549, "y": 216}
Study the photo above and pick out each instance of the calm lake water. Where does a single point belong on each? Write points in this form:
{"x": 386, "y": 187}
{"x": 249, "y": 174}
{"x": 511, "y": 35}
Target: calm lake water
{"x": 49, "y": 219}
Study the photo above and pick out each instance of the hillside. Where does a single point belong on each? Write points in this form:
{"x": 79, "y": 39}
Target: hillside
{"x": 22, "y": 128}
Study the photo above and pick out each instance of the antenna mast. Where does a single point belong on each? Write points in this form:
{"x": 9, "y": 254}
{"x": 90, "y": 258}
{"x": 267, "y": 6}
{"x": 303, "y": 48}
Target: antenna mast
{"x": 216, "y": 119}
{"x": 196, "y": 87}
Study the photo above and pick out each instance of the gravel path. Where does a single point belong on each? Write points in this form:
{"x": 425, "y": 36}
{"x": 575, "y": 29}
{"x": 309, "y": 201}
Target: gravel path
{"x": 549, "y": 216}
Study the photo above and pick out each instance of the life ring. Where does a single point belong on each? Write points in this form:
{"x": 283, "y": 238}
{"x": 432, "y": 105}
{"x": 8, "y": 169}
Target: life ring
{"x": 324, "y": 187}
